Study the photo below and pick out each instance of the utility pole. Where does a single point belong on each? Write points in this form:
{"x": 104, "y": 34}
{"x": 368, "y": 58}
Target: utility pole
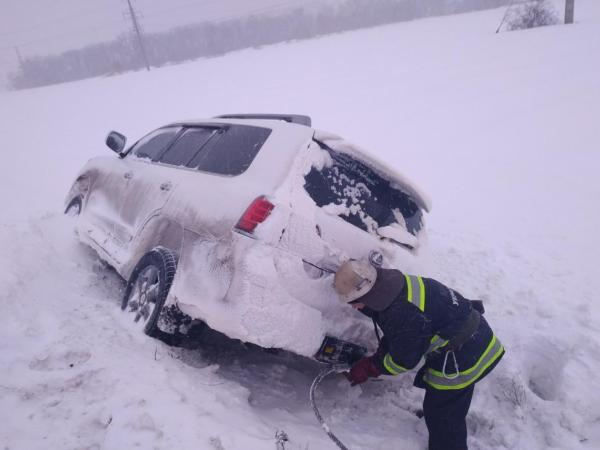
{"x": 19, "y": 57}
{"x": 136, "y": 29}
{"x": 569, "y": 11}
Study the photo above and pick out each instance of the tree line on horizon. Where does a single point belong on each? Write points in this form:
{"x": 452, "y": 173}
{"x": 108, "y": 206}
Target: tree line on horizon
{"x": 209, "y": 39}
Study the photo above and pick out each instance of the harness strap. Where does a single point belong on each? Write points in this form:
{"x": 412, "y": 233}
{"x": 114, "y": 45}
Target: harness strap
{"x": 415, "y": 294}
{"x": 468, "y": 329}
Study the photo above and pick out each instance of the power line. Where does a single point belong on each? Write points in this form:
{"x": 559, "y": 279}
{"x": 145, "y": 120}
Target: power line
{"x": 160, "y": 11}
{"x": 154, "y": 12}
{"x": 151, "y": 12}
{"x": 51, "y": 22}
{"x": 57, "y": 36}
{"x": 88, "y": 30}
{"x": 90, "y": 12}
{"x": 262, "y": 9}
{"x": 7, "y": 61}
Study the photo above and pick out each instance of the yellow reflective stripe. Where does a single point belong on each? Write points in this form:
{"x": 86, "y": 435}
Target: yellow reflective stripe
{"x": 409, "y": 288}
{"x": 471, "y": 369}
{"x": 421, "y": 294}
{"x": 436, "y": 343}
{"x": 437, "y": 380}
{"x": 412, "y": 285}
{"x": 472, "y": 380}
{"x": 391, "y": 366}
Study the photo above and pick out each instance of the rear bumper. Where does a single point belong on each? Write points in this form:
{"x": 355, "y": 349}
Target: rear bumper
{"x": 263, "y": 295}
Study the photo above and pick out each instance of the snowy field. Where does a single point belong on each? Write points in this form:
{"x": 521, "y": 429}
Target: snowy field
{"x": 501, "y": 130}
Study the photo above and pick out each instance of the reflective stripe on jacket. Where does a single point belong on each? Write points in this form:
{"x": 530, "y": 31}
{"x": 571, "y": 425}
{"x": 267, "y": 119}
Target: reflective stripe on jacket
{"x": 411, "y": 325}
{"x": 438, "y": 380}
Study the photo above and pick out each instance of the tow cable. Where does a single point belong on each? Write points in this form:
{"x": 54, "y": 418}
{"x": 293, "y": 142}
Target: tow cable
{"x": 334, "y": 368}
{"x": 339, "y": 356}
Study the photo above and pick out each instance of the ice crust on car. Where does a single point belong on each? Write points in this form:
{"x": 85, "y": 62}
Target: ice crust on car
{"x": 270, "y": 283}
{"x": 268, "y": 290}
{"x": 352, "y": 186}
{"x": 398, "y": 180}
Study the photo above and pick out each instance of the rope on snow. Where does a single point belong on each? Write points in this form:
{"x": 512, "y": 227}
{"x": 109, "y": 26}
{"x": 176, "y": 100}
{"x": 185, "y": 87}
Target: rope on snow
{"x": 324, "y": 373}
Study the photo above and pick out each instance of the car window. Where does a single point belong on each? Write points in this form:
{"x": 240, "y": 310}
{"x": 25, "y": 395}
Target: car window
{"x": 186, "y": 146}
{"x": 232, "y": 151}
{"x": 360, "y": 195}
{"x": 151, "y": 145}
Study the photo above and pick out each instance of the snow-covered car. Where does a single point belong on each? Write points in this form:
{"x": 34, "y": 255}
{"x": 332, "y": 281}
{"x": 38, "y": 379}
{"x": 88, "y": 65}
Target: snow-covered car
{"x": 239, "y": 221}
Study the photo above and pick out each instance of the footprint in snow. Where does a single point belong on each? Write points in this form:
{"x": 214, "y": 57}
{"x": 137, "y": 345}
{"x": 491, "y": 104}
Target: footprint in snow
{"x": 545, "y": 361}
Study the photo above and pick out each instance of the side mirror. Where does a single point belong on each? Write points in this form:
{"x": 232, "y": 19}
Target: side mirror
{"x": 116, "y": 141}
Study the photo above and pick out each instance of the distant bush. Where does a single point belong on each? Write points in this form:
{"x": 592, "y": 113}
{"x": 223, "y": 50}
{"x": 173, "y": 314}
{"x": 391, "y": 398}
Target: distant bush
{"x": 536, "y": 13}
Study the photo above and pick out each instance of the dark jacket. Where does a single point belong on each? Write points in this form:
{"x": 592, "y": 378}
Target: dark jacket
{"x": 412, "y": 328}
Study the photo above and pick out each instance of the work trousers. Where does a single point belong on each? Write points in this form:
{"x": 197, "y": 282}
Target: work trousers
{"x": 445, "y": 415}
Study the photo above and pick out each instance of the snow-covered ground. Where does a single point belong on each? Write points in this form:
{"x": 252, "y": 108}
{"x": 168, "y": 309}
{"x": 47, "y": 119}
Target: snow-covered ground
{"x": 502, "y": 132}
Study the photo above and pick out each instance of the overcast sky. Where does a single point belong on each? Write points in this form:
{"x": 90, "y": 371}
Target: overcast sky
{"x": 51, "y": 26}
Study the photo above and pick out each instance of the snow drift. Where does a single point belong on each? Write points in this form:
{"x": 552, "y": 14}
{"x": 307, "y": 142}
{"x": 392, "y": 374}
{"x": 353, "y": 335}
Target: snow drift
{"x": 499, "y": 129}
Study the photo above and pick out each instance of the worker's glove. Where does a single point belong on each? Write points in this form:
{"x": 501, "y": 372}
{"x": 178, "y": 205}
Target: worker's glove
{"x": 362, "y": 371}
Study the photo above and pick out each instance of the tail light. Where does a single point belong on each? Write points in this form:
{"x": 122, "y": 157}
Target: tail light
{"x": 255, "y": 214}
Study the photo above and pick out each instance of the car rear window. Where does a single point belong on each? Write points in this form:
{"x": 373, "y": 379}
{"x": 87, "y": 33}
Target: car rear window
{"x": 231, "y": 151}
{"x": 360, "y": 196}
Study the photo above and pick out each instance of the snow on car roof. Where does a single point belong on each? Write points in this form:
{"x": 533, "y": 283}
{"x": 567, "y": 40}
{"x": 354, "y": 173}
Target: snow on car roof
{"x": 341, "y": 145}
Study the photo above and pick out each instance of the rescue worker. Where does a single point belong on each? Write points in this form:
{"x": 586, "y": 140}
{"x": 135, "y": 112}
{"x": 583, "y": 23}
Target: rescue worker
{"x": 420, "y": 317}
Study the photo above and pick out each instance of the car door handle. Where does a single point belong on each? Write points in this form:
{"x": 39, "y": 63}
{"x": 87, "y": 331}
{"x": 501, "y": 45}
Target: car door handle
{"x": 166, "y": 186}
{"x": 128, "y": 175}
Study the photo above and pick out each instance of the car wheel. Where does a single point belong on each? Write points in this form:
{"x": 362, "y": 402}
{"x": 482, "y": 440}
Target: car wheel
{"x": 148, "y": 287}
{"x": 74, "y": 207}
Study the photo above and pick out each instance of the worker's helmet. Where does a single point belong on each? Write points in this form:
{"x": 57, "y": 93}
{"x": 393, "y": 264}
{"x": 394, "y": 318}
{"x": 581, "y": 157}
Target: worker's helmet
{"x": 354, "y": 279}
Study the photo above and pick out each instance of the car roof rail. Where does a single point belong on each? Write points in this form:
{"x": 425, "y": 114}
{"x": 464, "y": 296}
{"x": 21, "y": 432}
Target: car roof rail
{"x": 291, "y": 118}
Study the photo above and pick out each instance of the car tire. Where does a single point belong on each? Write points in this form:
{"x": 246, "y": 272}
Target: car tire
{"x": 74, "y": 207}
{"x": 148, "y": 287}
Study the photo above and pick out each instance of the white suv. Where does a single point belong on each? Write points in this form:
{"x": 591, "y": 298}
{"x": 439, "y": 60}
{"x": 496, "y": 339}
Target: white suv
{"x": 239, "y": 221}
